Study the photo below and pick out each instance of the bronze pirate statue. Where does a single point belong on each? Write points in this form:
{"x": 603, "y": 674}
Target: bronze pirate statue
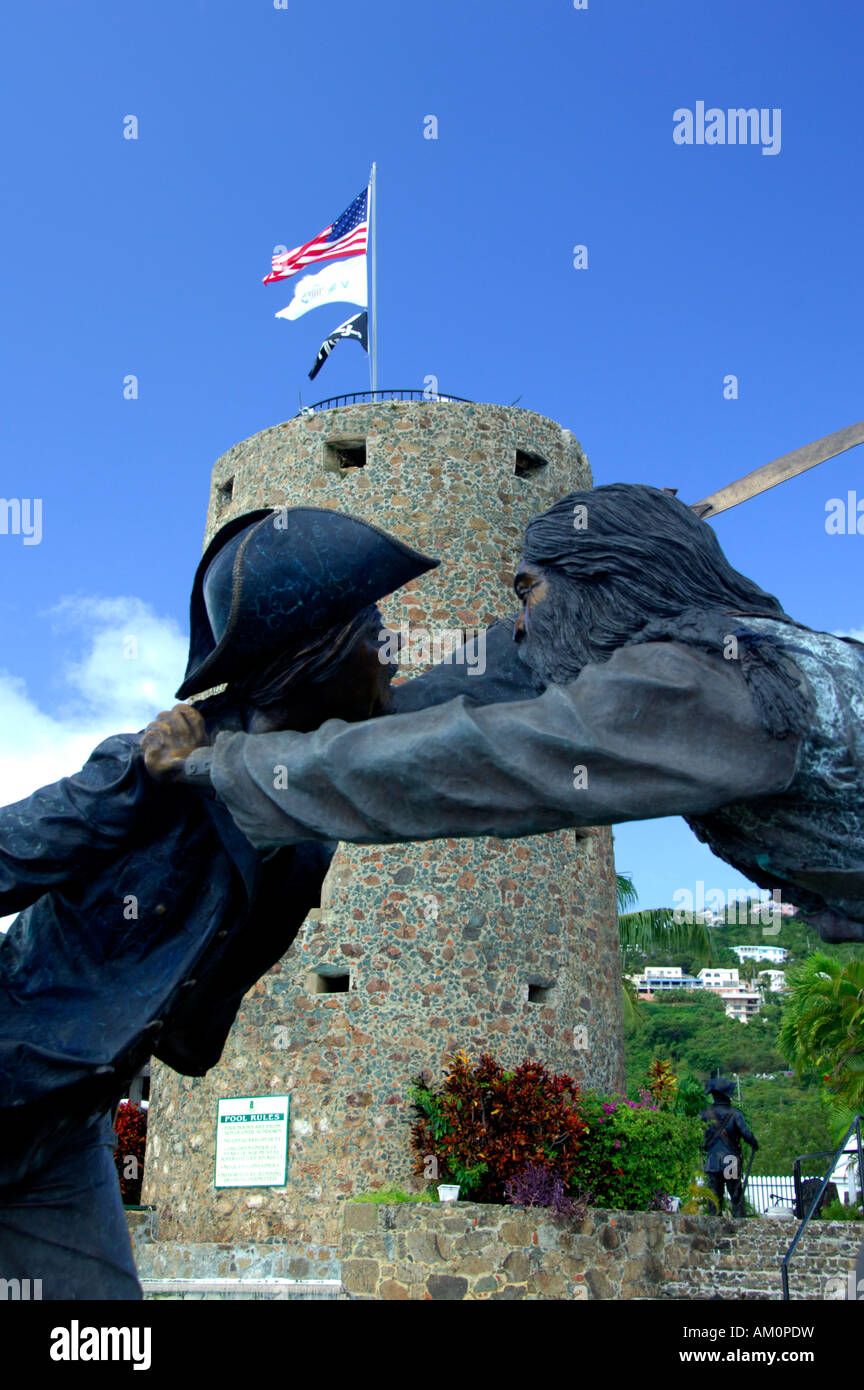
{"x": 144, "y": 915}
{"x": 725, "y": 1129}
{"x": 647, "y": 678}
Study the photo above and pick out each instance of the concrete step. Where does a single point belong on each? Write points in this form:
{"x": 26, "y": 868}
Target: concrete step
{"x": 686, "y": 1293}
{"x": 819, "y": 1287}
{"x": 277, "y": 1269}
{"x": 244, "y": 1289}
{"x": 797, "y": 1294}
{"x": 803, "y": 1273}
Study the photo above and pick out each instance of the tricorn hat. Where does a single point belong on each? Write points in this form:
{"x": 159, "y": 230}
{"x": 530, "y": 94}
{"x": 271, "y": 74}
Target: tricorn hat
{"x": 273, "y": 577}
{"x": 720, "y": 1086}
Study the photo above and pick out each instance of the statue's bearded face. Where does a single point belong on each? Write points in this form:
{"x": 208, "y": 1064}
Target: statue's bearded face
{"x": 601, "y": 564}
{"x": 551, "y": 629}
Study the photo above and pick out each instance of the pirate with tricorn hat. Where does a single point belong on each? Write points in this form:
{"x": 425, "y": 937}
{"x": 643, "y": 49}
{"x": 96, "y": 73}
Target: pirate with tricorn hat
{"x": 725, "y": 1128}
{"x": 144, "y": 915}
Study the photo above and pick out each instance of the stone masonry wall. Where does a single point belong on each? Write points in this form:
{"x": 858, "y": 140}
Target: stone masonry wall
{"x": 465, "y": 1251}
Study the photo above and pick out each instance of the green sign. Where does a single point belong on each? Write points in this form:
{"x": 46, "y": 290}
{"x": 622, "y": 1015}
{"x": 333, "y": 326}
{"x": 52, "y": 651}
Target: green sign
{"x": 252, "y": 1141}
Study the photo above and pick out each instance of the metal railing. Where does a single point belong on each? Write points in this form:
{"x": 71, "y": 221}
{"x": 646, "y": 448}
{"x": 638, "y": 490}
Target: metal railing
{"x": 854, "y": 1131}
{"x": 770, "y": 1193}
{"x": 376, "y": 397}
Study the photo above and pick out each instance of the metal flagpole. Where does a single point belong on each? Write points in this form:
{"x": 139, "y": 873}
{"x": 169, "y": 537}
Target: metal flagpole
{"x": 373, "y": 290}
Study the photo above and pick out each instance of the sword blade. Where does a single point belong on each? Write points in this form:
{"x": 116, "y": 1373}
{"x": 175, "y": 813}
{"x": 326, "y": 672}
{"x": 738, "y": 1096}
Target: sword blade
{"x": 770, "y": 474}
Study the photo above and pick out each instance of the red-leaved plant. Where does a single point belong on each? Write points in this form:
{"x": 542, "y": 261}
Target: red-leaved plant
{"x": 130, "y": 1125}
{"x": 484, "y": 1125}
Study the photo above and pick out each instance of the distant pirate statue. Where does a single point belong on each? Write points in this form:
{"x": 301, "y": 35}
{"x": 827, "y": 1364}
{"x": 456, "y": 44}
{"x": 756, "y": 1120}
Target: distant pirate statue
{"x": 725, "y": 1129}
{"x": 144, "y": 915}
{"x": 643, "y": 661}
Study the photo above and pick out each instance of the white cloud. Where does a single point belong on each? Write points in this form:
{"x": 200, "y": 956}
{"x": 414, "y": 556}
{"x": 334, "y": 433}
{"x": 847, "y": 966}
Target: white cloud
{"x": 132, "y": 661}
{"x": 856, "y": 632}
{"x": 127, "y": 662}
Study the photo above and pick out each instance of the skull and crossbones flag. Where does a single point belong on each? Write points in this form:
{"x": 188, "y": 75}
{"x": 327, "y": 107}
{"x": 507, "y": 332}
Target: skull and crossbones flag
{"x": 355, "y": 327}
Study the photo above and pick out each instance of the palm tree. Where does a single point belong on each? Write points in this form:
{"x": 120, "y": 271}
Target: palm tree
{"x": 657, "y": 926}
{"x": 652, "y": 928}
{"x": 822, "y": 1028}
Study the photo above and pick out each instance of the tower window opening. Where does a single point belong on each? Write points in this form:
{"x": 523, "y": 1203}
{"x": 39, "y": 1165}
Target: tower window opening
{"x": 526, "y": 463}
{"x": 340, "y": 454}
{"x": 539, "y": 993}
{"x": 328, "y": 981}
{"x": 225, "y": 492}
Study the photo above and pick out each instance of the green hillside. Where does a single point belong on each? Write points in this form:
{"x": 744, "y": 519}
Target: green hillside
{"x": 789, "y": 1115}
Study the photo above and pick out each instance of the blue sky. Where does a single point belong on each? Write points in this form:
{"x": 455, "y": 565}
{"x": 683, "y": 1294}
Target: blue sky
{"x": 257, "y": 126}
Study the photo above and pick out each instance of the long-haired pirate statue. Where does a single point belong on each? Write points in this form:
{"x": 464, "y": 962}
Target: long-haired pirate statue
{"x": 284, "y": 614}
{"x": 665, "y": 680}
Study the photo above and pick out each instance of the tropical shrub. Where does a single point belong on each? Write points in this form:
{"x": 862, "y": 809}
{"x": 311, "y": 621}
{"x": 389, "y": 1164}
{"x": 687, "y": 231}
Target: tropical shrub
{"x": 838, "y": 1211}
{"x": 632, "y": 1150}
{"x": 536, "y": 1186}
{"x": 662, "y": 1083}
{"x": 690, "y": 1096}
{"x": 484, "y": 1125}
{"x": 823, "y": 1025}
{"x": 701, "y": 1201}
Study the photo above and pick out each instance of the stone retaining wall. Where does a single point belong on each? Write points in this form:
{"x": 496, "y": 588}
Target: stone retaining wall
{"x": 468, "y": 1251}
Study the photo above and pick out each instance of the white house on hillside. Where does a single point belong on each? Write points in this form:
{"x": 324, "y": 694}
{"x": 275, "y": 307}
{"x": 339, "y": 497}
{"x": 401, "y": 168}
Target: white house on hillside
{"x": 774, "y": 980}
{"x": 720, "y": 979}
{"x": 739, "y": 1002}
{"x": 777, "y": 954}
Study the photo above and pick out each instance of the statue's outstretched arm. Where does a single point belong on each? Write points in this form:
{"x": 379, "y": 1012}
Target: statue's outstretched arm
{"x": 65, "y": 828}
{"x": 660, "y": 729}
{"x": 487, "y": 669}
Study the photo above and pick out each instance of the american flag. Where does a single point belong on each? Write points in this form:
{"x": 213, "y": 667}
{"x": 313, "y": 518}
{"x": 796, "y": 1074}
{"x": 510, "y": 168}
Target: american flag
{"x": 344, "y": 237}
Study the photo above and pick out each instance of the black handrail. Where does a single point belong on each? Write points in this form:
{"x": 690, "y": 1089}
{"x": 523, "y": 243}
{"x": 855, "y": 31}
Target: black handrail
{"x": 854, "y": 1129}
{"x": 374, "y": 397}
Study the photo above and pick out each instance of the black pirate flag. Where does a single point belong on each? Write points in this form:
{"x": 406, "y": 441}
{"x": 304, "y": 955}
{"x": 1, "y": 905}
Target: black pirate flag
{"x": 356, "y": 327}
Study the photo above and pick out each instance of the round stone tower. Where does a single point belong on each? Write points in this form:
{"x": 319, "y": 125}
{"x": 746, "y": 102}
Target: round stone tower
{"x": 420, "y": 950}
